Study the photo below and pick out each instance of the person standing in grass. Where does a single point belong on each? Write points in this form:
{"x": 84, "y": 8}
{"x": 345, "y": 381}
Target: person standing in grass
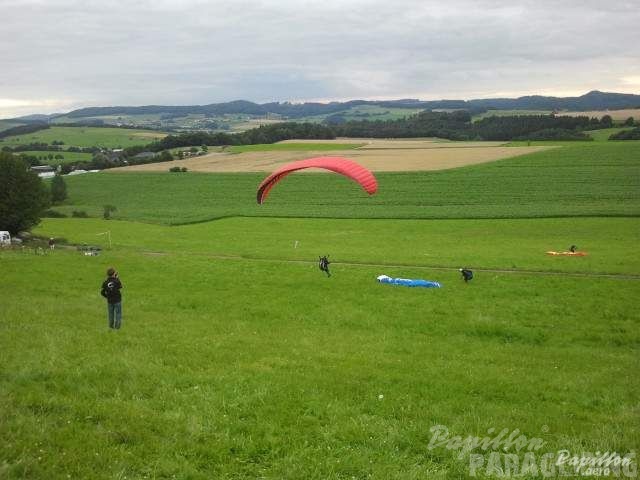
{"x": 111, "y": 291}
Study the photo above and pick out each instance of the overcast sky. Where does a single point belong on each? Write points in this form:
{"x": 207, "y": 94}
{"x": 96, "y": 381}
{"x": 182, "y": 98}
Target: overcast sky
{"x": 57, "y": 55}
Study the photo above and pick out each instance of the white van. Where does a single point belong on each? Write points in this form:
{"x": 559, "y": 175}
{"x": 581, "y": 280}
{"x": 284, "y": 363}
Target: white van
{"x": 5, "y": 238}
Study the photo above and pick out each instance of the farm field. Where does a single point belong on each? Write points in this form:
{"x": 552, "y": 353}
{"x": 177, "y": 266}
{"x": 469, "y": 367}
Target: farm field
{"x": 366, "y": 112}
{"x": 617, "y": 115}
{"x": 397, "y": 143}
{"x": 293, "y": 146}
{"x": 377, "y": 155}
{"x": 604, "y": 133}
{"x": 238, "y": 359}
{"x": 87, "y": 137}
{"x": 590, "y": 179}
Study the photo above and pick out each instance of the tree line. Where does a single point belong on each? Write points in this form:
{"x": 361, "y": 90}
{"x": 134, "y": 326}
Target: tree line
{"x": 23, "y": 129}
{"x": 457, "y": 125}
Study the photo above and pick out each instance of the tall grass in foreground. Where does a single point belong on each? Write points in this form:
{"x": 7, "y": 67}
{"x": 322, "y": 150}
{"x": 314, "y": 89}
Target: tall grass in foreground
{"x": 240, "y": 369}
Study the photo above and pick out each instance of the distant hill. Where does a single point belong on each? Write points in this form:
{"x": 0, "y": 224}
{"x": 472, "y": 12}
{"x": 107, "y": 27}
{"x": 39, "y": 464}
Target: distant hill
{"x": 594, "y": 100}
{"x": 38, "y": 117}
{"x": 242, "y": 115}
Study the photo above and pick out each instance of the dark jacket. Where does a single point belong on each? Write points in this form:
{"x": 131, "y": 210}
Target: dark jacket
{"x": 111, "y": 290}
{"x": 323, "y": 263}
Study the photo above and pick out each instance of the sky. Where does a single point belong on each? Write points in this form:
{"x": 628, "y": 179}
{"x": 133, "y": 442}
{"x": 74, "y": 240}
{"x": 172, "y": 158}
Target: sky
{"x": 58, "y": 55}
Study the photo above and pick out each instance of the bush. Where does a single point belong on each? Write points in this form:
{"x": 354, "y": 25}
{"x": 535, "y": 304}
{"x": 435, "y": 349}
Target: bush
{"x": 627, "y": 135}
{"x": 58, "y": 189}
{"x": 23, "y": 129}
{"x": 108, "y": 210}
{"x": 178, "y": 169}
{"x": 79, "y": 214}
{"x": 556, "y": 134}
{"x": 53, "y": 214}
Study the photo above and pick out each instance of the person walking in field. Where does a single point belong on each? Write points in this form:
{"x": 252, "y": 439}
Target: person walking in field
{"x": 323, "y": 264}
{"x": 111, "y": 291}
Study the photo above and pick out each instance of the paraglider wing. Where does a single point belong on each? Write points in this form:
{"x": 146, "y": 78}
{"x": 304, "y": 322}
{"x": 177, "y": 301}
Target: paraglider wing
{"x": 340, "y": 165}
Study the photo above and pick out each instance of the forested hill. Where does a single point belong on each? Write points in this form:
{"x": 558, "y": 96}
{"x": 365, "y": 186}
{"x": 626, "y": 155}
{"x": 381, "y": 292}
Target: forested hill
{"x": 594, "y": 100}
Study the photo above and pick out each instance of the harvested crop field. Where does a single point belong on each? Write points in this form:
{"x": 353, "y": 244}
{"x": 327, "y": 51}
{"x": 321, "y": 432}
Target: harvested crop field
{"x": 615, "y": 114}
{"x": 377, "y": 155}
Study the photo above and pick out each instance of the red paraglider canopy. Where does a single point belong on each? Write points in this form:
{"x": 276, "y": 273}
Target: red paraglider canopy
{"x": 340, "y": 165}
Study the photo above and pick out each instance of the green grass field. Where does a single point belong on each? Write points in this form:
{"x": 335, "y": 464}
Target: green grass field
{"x": 216, "y": 374}
{"x": 367, "y": 112}
{"x": 69, "y": 157}
{"x": 87, "y": 137}
{"x": 596, "y": 179}
{"x": 238, "y": 359}
{"x": 604, "y": 133}
{"x": 113, "y": 119}
{"x": 491, "y": 244}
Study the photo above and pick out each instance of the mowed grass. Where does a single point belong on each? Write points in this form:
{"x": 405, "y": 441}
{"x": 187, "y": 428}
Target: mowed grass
{"x": 87, "y": 137}
{"x": 495, "y": 244}
{"x": 598, "y": 179}
{"x": 243, "y": 369}
{"x": 287, "y": 147}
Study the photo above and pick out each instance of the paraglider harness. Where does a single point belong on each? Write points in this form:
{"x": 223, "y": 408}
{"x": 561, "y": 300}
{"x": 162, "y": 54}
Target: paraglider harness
{"x": 323, "y": 264}
{"x": 466, "y": 274}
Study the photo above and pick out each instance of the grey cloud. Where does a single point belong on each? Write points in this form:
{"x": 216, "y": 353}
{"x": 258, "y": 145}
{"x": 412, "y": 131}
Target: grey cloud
{"x": 119, "y": 52}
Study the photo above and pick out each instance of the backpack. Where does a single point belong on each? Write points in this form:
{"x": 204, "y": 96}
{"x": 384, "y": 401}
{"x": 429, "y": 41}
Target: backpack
{"x": 110, "y": 288}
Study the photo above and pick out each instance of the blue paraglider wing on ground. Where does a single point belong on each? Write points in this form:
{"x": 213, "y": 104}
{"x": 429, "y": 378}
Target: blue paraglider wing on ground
{"x": 408, "y": 282}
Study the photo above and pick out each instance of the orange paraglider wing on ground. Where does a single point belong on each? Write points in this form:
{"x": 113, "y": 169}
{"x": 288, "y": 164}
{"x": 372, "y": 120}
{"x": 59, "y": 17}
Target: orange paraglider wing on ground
{"x": 340, "y": 165}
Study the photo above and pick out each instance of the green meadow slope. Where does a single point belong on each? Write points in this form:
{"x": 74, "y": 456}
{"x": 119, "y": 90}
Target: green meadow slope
{"x": 238, "y": 359}
{"x": 86, "y": 137}
{"x": 243, "y": 369}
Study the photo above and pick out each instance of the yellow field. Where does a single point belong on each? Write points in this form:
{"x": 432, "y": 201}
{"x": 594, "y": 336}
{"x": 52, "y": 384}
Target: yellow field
{"x": 615, "y": 114}
{"x": 377, "y": 155}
